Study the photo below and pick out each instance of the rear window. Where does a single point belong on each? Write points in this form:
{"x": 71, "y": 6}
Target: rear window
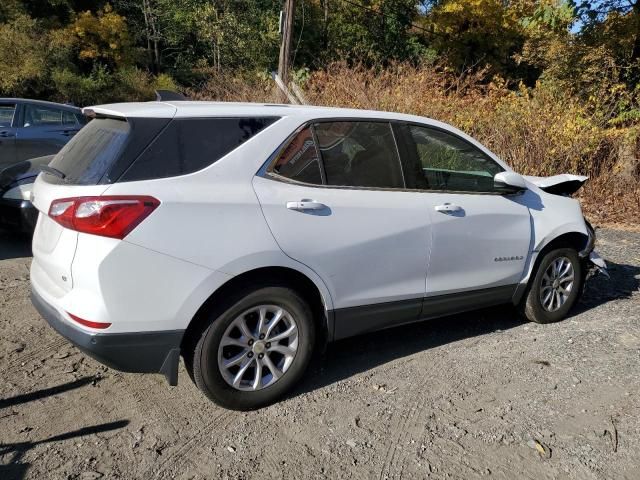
{"x": 93, "y": 150}
{"x": 191, "y": 144}
{"x": 108, "y": 150}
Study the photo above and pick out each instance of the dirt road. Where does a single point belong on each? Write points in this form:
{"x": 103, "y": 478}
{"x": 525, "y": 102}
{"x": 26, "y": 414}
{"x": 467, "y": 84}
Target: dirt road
{"x": 462, "y": 397}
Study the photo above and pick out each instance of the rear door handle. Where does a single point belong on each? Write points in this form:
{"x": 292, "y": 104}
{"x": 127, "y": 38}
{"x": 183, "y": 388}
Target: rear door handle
{"x": 303, "y": 205}
{"x": 448, "y": 208}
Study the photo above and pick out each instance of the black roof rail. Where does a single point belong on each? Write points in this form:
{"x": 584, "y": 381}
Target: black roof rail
{"x": 168, "y": 95}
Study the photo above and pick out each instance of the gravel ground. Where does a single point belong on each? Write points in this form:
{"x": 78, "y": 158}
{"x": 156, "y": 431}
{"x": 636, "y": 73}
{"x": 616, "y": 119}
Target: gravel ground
{"x": 476, "y": 395}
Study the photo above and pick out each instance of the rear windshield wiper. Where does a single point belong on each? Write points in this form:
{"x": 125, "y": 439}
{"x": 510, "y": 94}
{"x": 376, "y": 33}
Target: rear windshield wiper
{"x": 52, "y": 171}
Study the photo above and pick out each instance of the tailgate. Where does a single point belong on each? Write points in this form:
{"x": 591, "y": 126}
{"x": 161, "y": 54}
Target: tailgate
{"x": 53, "y": 245}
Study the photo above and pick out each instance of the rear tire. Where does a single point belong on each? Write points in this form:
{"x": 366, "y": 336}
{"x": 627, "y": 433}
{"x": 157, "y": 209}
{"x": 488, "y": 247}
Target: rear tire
{"x": 239, "y": 338}
{"x": 555, "y": 287}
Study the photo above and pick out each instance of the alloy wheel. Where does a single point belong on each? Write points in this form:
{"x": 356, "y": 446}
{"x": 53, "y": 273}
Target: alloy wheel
{"x": 258, "y": 347}
{"x": 557, "y": 283}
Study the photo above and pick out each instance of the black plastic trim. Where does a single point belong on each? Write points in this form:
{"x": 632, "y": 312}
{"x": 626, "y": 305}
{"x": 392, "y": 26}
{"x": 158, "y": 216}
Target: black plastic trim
{"x": 352, "y": 321}
{"x": 139, "y": 352}
{"x": 18, "y": 215}
{"x": 369, "y": 318}
{"x": 438, "y": 306}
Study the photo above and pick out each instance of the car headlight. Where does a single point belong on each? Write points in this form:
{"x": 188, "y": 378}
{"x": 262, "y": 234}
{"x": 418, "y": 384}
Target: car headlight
{"x": 20, "y": 192}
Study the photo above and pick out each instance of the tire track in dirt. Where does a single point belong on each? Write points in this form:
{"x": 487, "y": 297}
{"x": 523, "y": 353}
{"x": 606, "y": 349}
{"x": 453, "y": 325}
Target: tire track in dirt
{"x": 409, "y": 425}
{"x": 178, "y": 458}
{"x": 38, "y": 351}
{"x": 414, "y": 424}
{"x": 298, "y": 449}
{"x": 160, "y": 408}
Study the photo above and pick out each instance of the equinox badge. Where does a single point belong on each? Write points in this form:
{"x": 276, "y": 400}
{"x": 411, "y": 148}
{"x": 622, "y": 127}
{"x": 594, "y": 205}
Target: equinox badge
{"x": 508, "y": 259}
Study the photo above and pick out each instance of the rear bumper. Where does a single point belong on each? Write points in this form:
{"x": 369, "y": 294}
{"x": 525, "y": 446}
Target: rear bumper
{"x": 147, "y": 352}
{"x": 18, "y": 215}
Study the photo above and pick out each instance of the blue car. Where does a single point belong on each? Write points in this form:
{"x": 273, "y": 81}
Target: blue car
{"x": 33, "y": 128}
{"x": 31, "y": 132}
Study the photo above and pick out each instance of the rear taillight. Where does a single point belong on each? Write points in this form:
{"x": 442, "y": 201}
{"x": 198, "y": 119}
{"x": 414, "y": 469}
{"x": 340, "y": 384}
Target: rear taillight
{"x": 108, "y": 216}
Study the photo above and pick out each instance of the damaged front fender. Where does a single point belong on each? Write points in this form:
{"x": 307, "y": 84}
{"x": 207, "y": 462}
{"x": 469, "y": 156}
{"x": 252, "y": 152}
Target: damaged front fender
{"x": 564, "y": 184}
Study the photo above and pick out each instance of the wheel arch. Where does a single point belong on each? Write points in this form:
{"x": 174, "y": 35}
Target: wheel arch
{"x": 305, "y": 286}
{"x": 573, "y": 239}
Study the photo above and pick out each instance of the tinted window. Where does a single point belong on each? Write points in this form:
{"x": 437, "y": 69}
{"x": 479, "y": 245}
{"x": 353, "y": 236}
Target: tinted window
{"x": 359, "y": 154}
{"x": 38, "y": 116}
{"x": 92, "y": 151}
{"x": 299, "y": 160}
{"x": 187, "y": 145}
{"x": 6, "y": 115}
{"x": 451, "y": 163}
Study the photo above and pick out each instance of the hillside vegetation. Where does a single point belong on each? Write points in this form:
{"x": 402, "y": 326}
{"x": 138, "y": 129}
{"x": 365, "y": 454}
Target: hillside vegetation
{"x": 549, "y": 85}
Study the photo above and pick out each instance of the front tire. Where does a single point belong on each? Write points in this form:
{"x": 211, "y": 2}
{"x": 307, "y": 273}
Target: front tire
{"x": 555, "y": 288}
{"x": 256, "y": 350}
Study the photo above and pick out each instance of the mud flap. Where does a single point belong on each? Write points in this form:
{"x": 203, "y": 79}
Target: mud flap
{"x": 170, "y": 367}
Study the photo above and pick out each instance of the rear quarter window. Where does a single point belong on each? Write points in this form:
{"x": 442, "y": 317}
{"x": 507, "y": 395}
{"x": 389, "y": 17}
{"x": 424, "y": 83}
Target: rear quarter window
{"x": 187, "y": 145}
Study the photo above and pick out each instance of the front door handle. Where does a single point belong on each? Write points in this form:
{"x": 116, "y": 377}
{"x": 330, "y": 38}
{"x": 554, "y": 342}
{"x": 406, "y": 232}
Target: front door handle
{"x": 7, "y": 134}
{"x": 448, "y": 208}
{"x": 303, "y": 205}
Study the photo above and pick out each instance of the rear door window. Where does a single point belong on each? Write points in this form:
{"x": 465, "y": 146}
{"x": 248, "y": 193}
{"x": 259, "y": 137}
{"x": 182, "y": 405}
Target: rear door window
{"x": 40, "y": 116}
{"x": 191, "y": 144}
{"x": 7, "y": 111}
{"x": 359, "y": 154}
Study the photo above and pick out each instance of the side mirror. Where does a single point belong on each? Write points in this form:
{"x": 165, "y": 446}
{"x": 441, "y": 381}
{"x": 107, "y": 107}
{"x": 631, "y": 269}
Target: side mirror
{"x": 509, "y": 182}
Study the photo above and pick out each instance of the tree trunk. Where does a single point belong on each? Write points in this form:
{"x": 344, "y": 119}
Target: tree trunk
{"x": 635, "y": 12}
{"x": 325, "y": 26}
{"x": 285, "y": 46}
{"x": 145, "y": 13}
{"x": 635, "y": 51}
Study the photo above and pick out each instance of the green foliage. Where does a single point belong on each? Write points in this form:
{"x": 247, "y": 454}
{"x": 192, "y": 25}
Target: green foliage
{"x": 83, "y": 89}
{"x": 22, "y": 55}
{"x": 103, "y": 37}
{"x": 377, "y": 34}
{"x": 477, "y": 32}
{"x": 102, "y": 50}
{"x": 10, "y": 9}
{"x": 301, "y": 75}
{"x": 101, "y": 86}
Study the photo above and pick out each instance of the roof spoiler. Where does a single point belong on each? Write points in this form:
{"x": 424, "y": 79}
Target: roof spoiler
{"x": 168, "y": 96}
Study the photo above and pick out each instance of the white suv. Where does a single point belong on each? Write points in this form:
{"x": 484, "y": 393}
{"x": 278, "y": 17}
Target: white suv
{"x": 243, "y": 236}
